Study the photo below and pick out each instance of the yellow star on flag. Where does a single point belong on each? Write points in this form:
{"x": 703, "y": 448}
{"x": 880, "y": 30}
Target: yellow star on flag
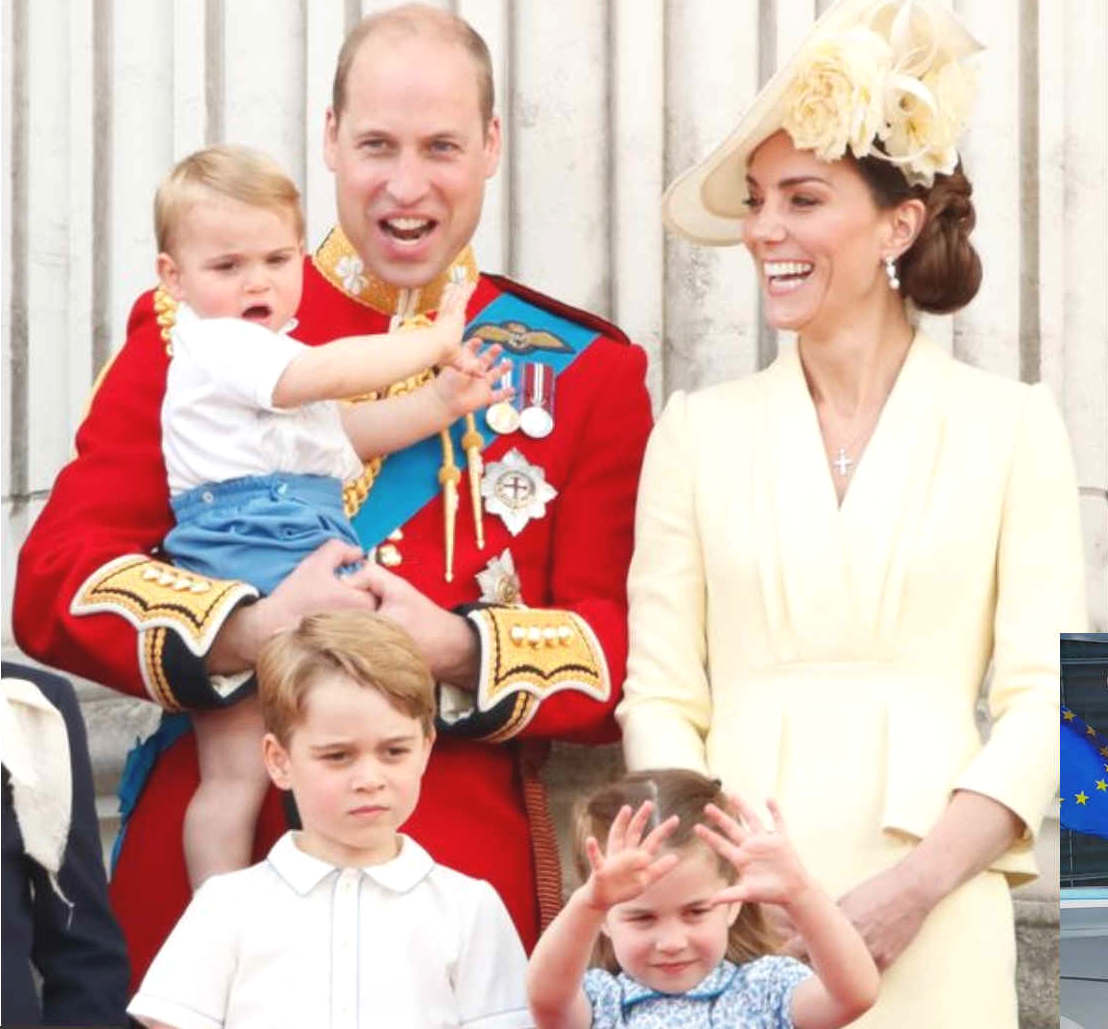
{"x": 1104, "y": 751}
{"x": 1082, "y": 797}
{"x": 1101, "y": 785}
{"x": 1090, "y": 731}
{"x": 1067, "y": 715}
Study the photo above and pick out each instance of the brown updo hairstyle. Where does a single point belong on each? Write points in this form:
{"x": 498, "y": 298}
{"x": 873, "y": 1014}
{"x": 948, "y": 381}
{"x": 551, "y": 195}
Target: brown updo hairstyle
{"x": 941, "y": 271}
{"x": 674, "y": 791}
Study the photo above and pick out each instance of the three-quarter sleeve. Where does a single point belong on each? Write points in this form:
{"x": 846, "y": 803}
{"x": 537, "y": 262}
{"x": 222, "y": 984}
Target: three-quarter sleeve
{"x": 1039, "y": 594}
{"x": 667, "y": 706}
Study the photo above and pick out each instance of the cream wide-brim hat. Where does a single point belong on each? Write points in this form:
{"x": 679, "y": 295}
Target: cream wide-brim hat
{"x": 706, "y": 203}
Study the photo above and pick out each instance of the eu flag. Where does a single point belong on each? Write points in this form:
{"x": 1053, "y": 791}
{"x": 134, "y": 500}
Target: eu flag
{"x": 1084, "y": 788}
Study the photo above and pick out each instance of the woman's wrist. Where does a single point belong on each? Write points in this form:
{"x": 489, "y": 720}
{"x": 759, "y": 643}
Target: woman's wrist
{"x": 923, "y": 880}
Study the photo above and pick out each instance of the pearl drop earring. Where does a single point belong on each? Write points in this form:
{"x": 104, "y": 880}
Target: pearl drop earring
{"x": 890, "y": 271}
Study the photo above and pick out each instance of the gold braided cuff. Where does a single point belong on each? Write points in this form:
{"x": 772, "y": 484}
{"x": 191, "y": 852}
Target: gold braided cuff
{"x": 152, "y": 594}
{"x": 527, "y": 655}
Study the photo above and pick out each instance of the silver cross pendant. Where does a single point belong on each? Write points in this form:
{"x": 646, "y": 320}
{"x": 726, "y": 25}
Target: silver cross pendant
{"x": 842, "y": 463}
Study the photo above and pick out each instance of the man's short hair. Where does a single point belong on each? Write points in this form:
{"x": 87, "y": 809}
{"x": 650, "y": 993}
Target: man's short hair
{"x": 372, "y": 651}
{"x": 237, "y": 172}
{"x": 413, "y": 20}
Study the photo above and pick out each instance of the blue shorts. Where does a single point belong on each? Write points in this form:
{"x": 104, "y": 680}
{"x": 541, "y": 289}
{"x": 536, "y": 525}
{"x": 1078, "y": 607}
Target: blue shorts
{"x": 257, "y": 528}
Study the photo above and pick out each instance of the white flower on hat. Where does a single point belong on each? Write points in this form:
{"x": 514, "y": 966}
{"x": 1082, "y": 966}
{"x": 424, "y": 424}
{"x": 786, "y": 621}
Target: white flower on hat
{"x": 837, "y": 98}
{"x": 930, "y": 90}
{"x": 925, "y": 121}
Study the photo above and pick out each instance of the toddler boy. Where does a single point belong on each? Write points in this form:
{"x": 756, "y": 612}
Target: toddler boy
{"x": 256, "y": 445}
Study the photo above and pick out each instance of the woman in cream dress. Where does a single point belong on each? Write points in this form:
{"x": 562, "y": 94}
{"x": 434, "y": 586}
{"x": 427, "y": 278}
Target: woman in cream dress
{"x": 830, "y": 553}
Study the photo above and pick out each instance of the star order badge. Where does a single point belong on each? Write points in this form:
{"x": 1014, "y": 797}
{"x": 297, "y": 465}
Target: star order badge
{"x": 499, "y": 582}
{"x": 516, "y": 490}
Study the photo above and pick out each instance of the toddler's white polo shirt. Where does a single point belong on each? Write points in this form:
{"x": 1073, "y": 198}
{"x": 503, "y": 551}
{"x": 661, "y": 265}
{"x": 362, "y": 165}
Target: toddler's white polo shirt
{"x": 296, "y": 942}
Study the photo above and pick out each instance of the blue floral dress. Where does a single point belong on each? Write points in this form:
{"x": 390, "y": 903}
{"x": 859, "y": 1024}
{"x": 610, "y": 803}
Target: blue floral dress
{"x": 755, "y": 995}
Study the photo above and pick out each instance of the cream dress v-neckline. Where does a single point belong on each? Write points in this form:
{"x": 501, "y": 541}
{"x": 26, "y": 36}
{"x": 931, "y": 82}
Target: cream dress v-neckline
{"x": 881, "y": 427}
{"x": 858, "y": 549}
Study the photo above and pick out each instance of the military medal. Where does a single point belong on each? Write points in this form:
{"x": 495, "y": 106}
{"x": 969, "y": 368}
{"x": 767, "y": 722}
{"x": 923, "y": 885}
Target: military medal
{"x": 516, "y": 490}
{"x": 503, "y": 416}
{"x": 536, "y": 417}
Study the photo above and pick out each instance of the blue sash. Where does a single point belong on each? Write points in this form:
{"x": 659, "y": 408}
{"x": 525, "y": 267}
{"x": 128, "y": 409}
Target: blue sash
{"x": 408, "y": 480}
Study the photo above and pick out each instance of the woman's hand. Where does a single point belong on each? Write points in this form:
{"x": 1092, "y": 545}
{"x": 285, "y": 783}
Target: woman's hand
{"x": 768, "y": 867}
{"x": 887, "y": 909}
{"x": 629, "y": 863}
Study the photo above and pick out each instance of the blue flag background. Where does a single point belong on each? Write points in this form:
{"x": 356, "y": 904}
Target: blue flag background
{"x": 1084, "y": 790}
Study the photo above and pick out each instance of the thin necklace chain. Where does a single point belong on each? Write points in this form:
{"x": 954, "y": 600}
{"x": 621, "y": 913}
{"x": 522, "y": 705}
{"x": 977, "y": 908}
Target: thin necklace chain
{"x": 843, "y": 463}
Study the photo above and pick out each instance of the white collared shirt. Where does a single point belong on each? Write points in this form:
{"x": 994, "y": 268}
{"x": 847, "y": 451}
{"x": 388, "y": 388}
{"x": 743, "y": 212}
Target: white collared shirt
{"x": 218, "y": 418}
{"x": 296, "y": 942}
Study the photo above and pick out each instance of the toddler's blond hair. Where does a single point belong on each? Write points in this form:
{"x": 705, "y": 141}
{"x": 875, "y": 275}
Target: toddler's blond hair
{"x": 227, "y": 170}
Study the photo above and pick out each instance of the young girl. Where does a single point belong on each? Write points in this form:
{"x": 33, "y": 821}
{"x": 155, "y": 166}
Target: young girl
{"x": 256, "y": 445}
{"x": 671, "y": 906}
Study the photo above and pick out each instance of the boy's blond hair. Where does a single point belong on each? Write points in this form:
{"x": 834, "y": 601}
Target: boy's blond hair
{"x": 228, "y": 170}
{"x": 368, "y": 649}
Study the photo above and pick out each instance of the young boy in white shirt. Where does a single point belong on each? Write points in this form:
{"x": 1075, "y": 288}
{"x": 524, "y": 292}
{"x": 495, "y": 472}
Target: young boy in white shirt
{"x": 347, "y": 922}
{"x": 256, "y": 445}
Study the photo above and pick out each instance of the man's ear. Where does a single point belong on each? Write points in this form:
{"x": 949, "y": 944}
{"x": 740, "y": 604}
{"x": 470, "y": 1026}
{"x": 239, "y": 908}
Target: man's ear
{"x": 169, "y": 275}
{"x": 492, "y": 147}
{"x": 330, "y": 138}
{"x": 276, "y": 760}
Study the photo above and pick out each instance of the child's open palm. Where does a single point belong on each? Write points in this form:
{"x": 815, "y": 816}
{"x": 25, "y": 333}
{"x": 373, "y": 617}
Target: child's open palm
{"x": 450, "y": 325}
{"x": 476, "y": 387}
{"x": 769, "y": 870}
{"x": 630, "y": 862}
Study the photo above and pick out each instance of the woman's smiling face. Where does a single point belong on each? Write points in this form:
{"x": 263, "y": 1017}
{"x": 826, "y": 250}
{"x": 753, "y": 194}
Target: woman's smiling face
{"x": 816, "y": 236}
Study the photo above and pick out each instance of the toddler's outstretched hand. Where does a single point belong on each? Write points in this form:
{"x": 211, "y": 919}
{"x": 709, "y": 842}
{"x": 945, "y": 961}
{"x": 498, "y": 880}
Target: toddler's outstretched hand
{"x": 450, "y": 325}
{"x": 769, "y": 870}
{"x": 466, "y": 388}
{"x": 629, "y": 863}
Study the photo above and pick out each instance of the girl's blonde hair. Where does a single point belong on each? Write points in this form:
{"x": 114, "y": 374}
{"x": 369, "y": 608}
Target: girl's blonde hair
{"x": 228, "y": 170}
{"x": 674, "y": 791}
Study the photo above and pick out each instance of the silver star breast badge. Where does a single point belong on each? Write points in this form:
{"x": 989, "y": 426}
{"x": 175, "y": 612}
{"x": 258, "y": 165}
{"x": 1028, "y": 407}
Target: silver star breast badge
{"x": 499, "y": 582}
{"x": 516, "y": 490}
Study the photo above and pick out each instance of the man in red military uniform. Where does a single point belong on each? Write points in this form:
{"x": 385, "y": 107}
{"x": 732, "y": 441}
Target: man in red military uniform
{"x": 504, "y": 555}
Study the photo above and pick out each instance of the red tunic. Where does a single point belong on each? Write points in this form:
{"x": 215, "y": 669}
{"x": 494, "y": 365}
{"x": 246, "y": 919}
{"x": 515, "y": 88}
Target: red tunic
{"x": 77, "y": 607}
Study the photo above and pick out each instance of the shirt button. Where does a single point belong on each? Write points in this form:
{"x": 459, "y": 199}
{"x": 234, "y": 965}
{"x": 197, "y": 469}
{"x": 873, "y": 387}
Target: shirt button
{"x": 207, "y": 496}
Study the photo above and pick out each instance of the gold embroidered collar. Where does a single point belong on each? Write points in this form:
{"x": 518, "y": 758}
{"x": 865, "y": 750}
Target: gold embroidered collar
{"x": 339, "y": 263}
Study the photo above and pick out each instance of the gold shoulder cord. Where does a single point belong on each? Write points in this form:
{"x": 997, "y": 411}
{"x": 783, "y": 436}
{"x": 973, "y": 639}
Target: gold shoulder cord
{"x": 339, "y": 264}
{"x": 355, "y": 491}
{"x": 165, "y": 311}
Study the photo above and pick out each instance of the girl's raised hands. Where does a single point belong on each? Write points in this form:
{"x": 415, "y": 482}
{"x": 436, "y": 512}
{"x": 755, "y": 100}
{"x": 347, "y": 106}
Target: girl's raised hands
{"x": 769, "y": 869}
{"x": 630, "y": 862}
